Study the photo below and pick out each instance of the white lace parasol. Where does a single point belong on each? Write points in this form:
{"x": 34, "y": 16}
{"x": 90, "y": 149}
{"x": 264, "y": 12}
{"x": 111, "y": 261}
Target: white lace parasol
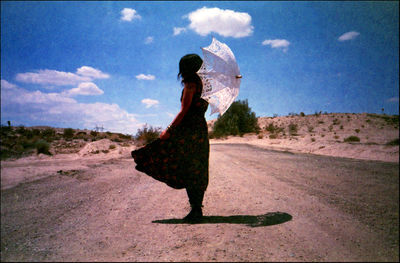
{"x": 220, "y": 75}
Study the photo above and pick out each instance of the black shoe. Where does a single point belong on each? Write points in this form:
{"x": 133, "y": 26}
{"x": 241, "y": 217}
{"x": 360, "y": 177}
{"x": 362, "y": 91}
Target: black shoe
{"x": 195, "y": 215}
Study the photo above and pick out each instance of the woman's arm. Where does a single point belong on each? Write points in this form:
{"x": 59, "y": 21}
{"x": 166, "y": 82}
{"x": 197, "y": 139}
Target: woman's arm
{"x": 188, "y": 92}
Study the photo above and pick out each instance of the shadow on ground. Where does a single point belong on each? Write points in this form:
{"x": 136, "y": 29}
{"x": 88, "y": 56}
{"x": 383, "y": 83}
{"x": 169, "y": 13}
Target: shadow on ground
{"x": 267, "y": 219}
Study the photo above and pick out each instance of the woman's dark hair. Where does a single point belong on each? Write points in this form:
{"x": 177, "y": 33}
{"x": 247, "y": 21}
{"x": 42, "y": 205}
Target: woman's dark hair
{"x": 188, "y": 66}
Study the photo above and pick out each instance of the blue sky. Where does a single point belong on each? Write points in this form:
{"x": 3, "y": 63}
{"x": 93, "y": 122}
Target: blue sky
{"x": 114, "y": 64}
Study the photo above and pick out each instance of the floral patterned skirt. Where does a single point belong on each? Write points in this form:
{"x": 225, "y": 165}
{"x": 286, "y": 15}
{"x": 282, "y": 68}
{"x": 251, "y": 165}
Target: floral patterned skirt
{"x": 181, "y": 161}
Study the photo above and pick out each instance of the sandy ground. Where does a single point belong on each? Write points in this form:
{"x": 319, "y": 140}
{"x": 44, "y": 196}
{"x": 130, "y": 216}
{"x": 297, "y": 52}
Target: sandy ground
{"x": 325, "y": 134}
{"x": 261, "y": 205}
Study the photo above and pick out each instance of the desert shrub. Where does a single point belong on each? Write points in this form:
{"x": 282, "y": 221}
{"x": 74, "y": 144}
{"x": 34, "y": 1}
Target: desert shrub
{"x": 5, "y": 130}
{"x": 101, "y": 135}
{"x": 393, "y": 143}
{"x": 68, "y": 133}
{"x": 115, "y": 137}
{"x": 352, "y": 139}
{"x": 313, "y": 139}
{"x": 42, "y": 146}
{"x": 94, "y": 133}
{"x": 21, "y": 130}
{"x": 27, "y": 143}
{"x": 124, "y": 137}
{"x": 391, "y": 120}
{"x": 237, "y": 120}
{"x": 302, "y": 114}
{"x": 271, "y": 128}
{"x": 293, "y": 129}
{"x": 357, "y": 130}
{"x": 81, "y": 135}
{"x": 310, "y": 128}
{"x": 36, "y": 132}
{"x": 260, "y": 136}
{"x": 112, "y": 146}
{"x": 147, "y": 134}
{"x": 211, "y": 135}
{"x": 335, "y": 122}
{"x": 48, "y": 133}
{"x": 273, "y": 136}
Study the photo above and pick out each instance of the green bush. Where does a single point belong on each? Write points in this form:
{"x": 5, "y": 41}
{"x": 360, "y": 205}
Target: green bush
{"x": 352, "y": 139}
{"x": 393, "y": 143}
{"x": 49, "y": 134}
{"x": 293, "y": 129}
{"x": 271, "y": 128}
{"x": 147, "y": 134}
{"x": 36, "y": 132}
{"x": 237, "y": 120}
{"x": 68, "y": 133}
{"x": 124, "y": 136}
{"x": 21, "y": 130}
{"x": 273, "y": 136}
{"x": 93, "y": 133}
{"x": 42, "y": 147}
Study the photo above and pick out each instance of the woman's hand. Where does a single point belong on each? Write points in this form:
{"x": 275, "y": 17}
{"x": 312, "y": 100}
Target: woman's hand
{"x": 164, "y": 135}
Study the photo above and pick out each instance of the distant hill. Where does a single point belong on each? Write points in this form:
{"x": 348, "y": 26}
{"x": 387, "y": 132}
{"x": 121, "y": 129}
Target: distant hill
{"x": 371, "y": 128}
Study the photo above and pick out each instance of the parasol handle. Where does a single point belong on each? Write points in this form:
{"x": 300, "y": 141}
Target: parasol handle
{"x": 238, "y": 76}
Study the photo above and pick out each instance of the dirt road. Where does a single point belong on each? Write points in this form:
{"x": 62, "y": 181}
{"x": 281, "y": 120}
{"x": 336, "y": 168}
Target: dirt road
{"x": 260, "y": 206}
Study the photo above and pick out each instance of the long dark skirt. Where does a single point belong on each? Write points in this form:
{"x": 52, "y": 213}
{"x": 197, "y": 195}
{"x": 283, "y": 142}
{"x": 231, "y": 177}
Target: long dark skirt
{"x": 181, "y": 161}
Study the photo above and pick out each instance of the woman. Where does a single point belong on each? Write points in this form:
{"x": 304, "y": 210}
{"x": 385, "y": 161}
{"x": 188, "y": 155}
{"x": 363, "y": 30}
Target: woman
{"x": 179, "y": 157}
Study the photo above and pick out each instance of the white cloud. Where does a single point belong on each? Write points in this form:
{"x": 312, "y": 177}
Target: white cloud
{"x": 7, "y": 85}
{"x": 227, "y": 23}
{"x": 178, "y": 30}
{"x": 85, "y": 88}
{"x": 24, "y": 97}
{"x": 145, "y": 77}
{"x": 63, "y": 110}
{"x": 277, "y": 43}
{"x": 149, "y": 40}
{"x": 52, "y": 77}
{"x": 149, "y": 102}
{"x": 91, "y": 73}
{"x": 60, "y": 78}
{"x": 348, "y": 36}
{"x": 129, "y": 14}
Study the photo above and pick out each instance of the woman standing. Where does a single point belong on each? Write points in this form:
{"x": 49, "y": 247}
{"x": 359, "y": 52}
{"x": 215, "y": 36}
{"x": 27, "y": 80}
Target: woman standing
{"x": 179, "y": 157}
